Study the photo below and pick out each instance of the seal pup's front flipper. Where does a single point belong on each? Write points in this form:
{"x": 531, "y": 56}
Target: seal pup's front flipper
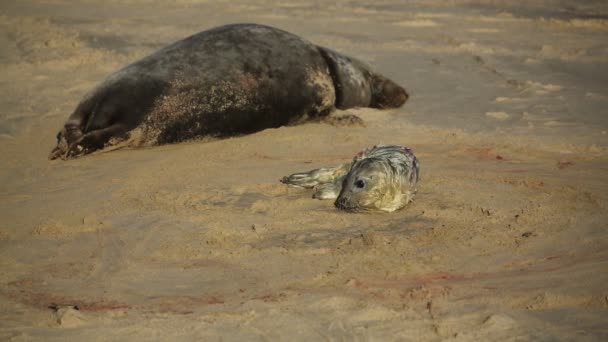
{"x": 331, "y": 190}
{"x": 317, "y": 177}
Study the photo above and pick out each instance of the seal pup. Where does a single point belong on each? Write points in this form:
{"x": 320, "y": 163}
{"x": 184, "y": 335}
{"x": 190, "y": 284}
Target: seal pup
{"x": 226, "y": 81}
{"x": 380, "y": 178}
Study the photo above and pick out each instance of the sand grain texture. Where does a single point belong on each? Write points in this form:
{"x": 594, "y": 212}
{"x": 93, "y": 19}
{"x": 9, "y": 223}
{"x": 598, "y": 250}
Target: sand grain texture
{"x": 506, "y": 240}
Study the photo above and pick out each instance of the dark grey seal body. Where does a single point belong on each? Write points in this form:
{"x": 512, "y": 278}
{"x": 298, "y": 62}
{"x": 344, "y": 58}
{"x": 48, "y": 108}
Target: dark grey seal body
{"x": 380, "y": 178}
{"x": 230, "y": 80}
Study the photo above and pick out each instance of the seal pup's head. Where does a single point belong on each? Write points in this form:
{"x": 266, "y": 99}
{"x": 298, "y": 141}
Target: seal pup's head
{"x": 382, "y": 178}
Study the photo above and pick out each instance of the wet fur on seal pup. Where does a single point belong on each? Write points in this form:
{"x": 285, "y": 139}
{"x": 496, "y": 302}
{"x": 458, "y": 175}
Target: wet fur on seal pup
{"x": 227, "y": 81}
{"x": 380, "y": 178}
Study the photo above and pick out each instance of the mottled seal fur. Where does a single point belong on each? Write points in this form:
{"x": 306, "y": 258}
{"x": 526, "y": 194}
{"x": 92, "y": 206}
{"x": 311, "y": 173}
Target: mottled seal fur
{"x": 380, "y": 178}
{"x": 227, "y": 81}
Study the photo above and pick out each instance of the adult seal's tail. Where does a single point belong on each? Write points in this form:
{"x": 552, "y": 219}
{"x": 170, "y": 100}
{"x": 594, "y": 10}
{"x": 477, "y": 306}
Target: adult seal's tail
{"x": 380, "y": 178}
{"x": 227, "y": 81}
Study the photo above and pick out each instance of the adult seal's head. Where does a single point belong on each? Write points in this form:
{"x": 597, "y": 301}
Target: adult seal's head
{"x": 359, "y": 86}
{"x": 380, "y": 178}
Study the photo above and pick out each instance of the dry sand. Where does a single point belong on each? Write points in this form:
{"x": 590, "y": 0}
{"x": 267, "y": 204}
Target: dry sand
{"x": 507, "y": 239}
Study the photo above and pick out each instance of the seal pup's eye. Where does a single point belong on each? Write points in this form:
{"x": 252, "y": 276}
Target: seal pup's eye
{"x": 360, "y": 184}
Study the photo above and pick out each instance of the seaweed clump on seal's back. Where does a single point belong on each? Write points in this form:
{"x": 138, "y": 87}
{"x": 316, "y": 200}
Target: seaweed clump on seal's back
{"x": 380, "y": 178}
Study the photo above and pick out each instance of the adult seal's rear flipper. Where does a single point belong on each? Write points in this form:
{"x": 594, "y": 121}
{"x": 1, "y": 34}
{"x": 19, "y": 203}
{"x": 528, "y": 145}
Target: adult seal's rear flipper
{"x": 358, "y": 86}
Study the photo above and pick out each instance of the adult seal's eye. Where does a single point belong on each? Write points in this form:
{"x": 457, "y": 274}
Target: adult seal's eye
{"x": 360, "y": 184}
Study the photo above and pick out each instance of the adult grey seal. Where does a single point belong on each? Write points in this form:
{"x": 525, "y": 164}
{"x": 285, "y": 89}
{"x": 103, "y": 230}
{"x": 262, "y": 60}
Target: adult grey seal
{"x": 227, "y": 81}
{"x": 380, "y": 178}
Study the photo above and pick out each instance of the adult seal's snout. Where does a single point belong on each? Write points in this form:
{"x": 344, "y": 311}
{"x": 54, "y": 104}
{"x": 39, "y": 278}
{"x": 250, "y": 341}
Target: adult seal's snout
{"x": 387, "y": 94}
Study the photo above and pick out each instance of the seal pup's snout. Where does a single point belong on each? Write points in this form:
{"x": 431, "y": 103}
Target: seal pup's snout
{"x": 343, "y": 203}
{"x": 340, "y": 203}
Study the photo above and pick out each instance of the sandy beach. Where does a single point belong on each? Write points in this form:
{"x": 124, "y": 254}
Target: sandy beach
{"x": 507, "y": 239}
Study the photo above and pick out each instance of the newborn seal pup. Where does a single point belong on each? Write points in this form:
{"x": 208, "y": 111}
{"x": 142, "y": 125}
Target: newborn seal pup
{"x": 380, "y": 178}
{"x": 230, "y": 80}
